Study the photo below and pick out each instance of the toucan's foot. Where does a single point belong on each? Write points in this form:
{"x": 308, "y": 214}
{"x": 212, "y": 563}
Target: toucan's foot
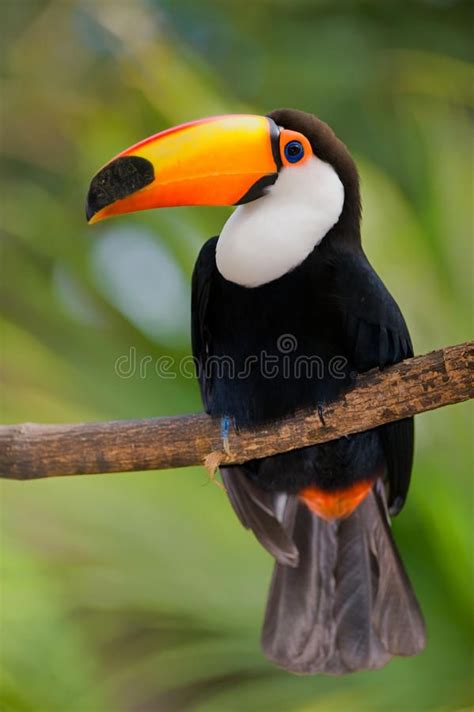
{"x": 213, "y": 461}
{"x": 226, "y": 422}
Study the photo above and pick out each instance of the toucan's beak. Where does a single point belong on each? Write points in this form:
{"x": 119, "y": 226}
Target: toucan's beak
{"x": 223, "y": 160}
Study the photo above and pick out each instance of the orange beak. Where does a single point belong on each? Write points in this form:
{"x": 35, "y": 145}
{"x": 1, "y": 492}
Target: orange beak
{"x": 223, "y": 160}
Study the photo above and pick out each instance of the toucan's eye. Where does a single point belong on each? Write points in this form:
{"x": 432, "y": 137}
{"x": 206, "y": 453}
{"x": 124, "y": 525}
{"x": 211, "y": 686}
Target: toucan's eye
{"x": 294, "y": 151}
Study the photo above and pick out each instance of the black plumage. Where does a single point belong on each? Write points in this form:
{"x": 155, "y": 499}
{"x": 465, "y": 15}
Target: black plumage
{"x": 340, "y": 600}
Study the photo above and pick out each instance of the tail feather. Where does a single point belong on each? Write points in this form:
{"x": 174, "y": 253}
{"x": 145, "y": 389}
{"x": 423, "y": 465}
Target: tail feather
{"x": 357, "y": 642}
{"x": 298, "y": 630}
{"x": 397, "y": 615}
{"x": 339, "y": 599}
{"x": 349, "y": 604}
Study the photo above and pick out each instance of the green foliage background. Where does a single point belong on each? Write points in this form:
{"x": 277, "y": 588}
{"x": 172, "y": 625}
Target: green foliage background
{"x": 141, "y": 592}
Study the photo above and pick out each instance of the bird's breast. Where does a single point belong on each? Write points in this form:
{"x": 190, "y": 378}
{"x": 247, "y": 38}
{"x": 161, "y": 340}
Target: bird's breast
{"x": 275, "y": 349}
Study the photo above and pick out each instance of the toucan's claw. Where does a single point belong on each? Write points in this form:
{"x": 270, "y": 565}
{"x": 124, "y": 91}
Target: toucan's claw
{"x": 321, "y": 415}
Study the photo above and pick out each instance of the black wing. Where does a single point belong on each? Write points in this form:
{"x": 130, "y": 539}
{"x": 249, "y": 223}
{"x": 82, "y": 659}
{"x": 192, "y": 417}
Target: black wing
{"x": 257, "y": 510}
{"x": 201, "y": 337}
{"x": 375, "y": 335}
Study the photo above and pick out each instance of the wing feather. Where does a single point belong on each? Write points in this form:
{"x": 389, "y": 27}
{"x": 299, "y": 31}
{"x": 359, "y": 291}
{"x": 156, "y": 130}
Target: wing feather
{"x": 375, "y": 334}
{"x": 261, "y": 512}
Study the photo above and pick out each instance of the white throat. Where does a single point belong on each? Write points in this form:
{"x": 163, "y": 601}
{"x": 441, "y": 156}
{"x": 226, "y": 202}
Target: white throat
{"x": 269, "y": 237}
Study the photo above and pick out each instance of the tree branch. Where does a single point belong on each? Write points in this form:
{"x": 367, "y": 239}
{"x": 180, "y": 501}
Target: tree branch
{"x": 419, "y": 384}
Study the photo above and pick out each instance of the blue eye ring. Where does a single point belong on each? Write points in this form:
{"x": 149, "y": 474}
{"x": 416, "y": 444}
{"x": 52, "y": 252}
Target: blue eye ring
{"x": 294, "y": 151}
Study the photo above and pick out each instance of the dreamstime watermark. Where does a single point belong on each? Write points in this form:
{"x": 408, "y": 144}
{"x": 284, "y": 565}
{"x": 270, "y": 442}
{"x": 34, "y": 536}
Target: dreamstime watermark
{"x": 284, "y": 362}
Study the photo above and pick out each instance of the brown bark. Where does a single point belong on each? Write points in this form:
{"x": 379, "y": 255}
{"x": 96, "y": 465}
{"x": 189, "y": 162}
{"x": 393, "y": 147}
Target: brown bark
{"x": 31, "y": 451}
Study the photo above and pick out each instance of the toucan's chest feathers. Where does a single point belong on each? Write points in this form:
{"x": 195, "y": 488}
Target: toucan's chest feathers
{"x": 269, "y": 237}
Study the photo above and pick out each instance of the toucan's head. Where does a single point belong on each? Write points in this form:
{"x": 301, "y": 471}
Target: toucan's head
{"x": 221, "y": 160}
{"x": 291, "y": 176}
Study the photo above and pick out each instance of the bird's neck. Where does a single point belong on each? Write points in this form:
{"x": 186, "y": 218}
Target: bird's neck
{"x": 269, "y": 237}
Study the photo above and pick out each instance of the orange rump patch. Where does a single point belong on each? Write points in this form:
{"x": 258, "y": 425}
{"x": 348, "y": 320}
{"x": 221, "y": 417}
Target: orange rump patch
{"x": 336, "y": 504}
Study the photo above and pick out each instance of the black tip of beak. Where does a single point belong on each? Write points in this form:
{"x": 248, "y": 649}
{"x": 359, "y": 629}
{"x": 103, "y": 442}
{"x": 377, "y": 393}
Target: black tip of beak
{"x": 116, "y": 181}
{"x": 90, "y": 212}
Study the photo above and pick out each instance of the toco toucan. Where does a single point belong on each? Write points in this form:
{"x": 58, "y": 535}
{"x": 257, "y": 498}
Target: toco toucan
{"x": 286, "y": 309}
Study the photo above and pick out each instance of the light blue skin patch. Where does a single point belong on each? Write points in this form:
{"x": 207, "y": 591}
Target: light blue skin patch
{"x": 226, "y": 422}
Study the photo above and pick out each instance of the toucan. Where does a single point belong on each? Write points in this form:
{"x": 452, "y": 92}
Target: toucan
{"x": 286, "y": 311}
